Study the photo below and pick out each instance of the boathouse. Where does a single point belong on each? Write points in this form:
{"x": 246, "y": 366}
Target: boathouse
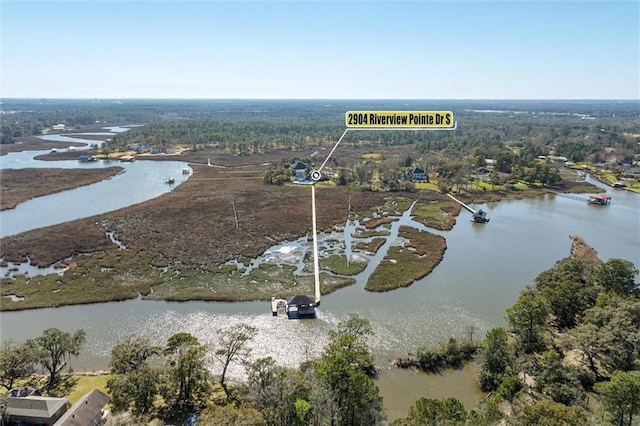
{"x": 600, "y": 199}
{"x": 299, "y": 307}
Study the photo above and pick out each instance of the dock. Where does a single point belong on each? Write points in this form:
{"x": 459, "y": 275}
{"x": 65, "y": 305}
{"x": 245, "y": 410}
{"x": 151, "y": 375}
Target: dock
{"x": 278, "y": 306}
{"x": 461, "y": 203}
{"x": 599, "y": 199}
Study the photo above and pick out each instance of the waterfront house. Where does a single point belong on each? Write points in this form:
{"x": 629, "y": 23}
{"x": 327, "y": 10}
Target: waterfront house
{"x": 35, "y": 410}
{"x": 163, "y": 149}
{"x": 632, "y": 172}
{"x": 416, "y": 175}
{"x": 300, "y": 171}
{"x": 87, "y": 411}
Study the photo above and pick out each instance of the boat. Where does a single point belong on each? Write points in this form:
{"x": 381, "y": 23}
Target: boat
{"x": 170, "y": 180}
{"x": 87, "y": 158}
{"x": 480, "y": 217}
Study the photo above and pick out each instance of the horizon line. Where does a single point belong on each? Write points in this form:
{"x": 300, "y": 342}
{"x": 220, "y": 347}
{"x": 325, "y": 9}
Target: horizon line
{"x": 308, "y": 99}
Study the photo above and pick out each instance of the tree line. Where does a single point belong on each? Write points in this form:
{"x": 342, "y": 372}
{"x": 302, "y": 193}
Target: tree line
{"x": 572, "y": 335}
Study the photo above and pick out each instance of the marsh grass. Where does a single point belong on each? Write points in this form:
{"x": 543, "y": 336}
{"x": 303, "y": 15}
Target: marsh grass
{"x": 338, "y": 265}
{"x": 372, "y": 246}
{"x": 439, "y": 214}
{"x": 405, "y": 264}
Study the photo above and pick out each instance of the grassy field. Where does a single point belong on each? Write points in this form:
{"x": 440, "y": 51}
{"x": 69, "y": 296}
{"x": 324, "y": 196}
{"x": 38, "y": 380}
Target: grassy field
{"x": 87, "y": 383}
{"x": 426, "y": 186}
{"x": 71, "y": 386}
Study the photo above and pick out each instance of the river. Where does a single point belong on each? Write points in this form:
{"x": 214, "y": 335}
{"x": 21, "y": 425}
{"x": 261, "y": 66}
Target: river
{"x": 141, "y": 181}
{"x": 483, "y": 269}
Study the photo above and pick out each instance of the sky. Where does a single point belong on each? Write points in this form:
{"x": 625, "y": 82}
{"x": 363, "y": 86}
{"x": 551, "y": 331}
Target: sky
{"x": 320, "y": 50}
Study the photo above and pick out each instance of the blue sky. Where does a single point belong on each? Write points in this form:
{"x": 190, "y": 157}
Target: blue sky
{"x": 303, "y": 49}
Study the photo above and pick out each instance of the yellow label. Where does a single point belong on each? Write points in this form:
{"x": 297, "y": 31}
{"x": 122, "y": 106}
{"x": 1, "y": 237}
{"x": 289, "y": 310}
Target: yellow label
{"x": 400, "y": 119}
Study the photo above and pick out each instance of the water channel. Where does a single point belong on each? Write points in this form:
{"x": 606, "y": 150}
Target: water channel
{"x": 481, "y": 274}
{"x": 141, "y": 181}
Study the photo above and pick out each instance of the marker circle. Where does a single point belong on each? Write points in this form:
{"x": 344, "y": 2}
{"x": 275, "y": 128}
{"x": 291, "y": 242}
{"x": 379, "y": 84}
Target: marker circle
{"x": 316, "y": 175}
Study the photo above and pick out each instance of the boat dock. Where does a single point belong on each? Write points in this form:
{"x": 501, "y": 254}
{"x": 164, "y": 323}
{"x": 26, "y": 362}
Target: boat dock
{"x": 461, "y": 203}
{"x": 600, "y": 199}
{"x": 278, "y": 306}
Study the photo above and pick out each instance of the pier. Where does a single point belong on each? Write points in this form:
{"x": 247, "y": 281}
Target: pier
{"x": 461, "y": 203}
{"x": 600, "y": 199}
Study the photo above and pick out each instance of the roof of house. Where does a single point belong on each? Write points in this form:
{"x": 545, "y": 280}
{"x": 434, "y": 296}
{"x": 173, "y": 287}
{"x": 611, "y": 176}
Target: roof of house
{"x": 85, "y": 409}
{"x": 299, "y": 165}
{"x": 601, "y": 196}
{"x": 301, "y": 300}
{"x": 34, "y": 406}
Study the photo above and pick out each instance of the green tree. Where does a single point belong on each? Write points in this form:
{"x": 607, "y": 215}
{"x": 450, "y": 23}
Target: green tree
{"x": 233, "y": 344}
{"x": 558, "y": 381}
{"x": 618, "y": 276}
{"x": 528, "y": 318}
{"x": 135, "y": 384}
{"x": 488, "y": 414}
{"x": 16, "y": 362}
{"x": 343, "y": 368}
{"x": 131, "y": 354}
{"x": 279, "y": 393}
{"x": 621, "y": 396}
{"x": 187, "y": 371}
{"x": 617, "y": 341}
{"x": 54, "y": 348}
{"x": 585, "y": 337}
{"x": 549, "y": 413}
{"x": 504, "y": 161}
{"x": 435, "y": 412}
{"x": 303, "y": 407}
{"x": 567, "y": 289}
{"x": 496, "y": 358}
{"x": 509, "y": 388}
